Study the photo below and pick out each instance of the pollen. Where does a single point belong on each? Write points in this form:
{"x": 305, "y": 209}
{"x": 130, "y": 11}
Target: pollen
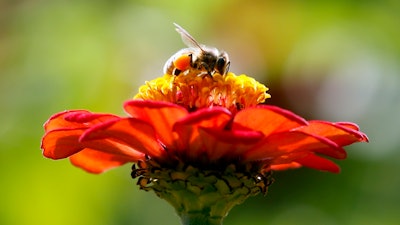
{"x": 183, "y": 62}
{"x": 194, "y": 91}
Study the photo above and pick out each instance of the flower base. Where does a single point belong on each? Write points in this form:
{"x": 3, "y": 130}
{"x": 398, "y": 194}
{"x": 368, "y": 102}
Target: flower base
{"x": 201, "y": 196}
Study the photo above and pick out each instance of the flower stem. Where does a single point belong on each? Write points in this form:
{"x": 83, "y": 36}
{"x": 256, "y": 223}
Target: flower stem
{"x": 199, "y": 219}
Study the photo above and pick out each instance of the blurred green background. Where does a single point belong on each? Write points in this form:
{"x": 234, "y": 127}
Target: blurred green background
{"x": 324, "y": 60}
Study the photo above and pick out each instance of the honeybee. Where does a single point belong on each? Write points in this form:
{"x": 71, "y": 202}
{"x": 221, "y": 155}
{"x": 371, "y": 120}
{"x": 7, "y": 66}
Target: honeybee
{"x": 197, "y": 58}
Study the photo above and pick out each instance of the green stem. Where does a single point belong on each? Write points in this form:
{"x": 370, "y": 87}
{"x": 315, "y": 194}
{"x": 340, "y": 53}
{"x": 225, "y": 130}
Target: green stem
{"x": 199, "y": 219}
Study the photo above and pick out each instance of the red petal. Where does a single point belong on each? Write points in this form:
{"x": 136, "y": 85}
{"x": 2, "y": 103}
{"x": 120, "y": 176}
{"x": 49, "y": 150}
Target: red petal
{"x": 97, "y": 162}
{"x": 286, "y": 166}
{"x": 63, "y": 131}
{"x": 132, "y": 132}
{"x": 58, "y": 121}
{"x": 61, "y": 143}
{"x": 315, "y": 162}
{"x": 286, "y": 143}
{"x": 188, "y": 128}
{"x": 216, "y": 117}
{"x": 226, "y": 144}
{"x": 349, "y": 125}
{"x": 267, "y": 119}
{"x": 75, "y": 119}
{"x": 108, "y": 145}
{"x": 161, "y": 115}
{"x": 341, "y": 133}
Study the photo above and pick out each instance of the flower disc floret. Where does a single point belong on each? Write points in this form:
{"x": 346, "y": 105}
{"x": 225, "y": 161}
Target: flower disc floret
{"x": 194, "y": 92}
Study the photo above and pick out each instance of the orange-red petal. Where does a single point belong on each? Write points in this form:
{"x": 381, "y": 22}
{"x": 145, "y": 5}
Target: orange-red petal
{"x": 268, "y": 134}
{"x": 227, "y": 145}
{"x": 95, "y": 161}
{"x": 75, "y": 119}
{"x": 111, "y": 146}
{"x": 267, "y": 119}
{"x": 135, "y": 133}
{"x": 286, "y": 143}
{"x": 58, "y": 120}
{"x": 63, "y": 129}
{"x": 62, "y": 143}
{"x": 161, "y": 115}
{"x": 315, "y": 162}
{"x": 341, "y": 133}
{"x": 188, "y": 128}
{"x": 286, "y": 166}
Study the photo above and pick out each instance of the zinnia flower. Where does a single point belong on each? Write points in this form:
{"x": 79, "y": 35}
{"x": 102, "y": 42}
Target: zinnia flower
{"x": 202, "y": 143}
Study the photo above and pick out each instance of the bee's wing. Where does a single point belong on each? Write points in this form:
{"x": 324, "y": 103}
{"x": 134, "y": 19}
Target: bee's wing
{"x": 187, "y": 38}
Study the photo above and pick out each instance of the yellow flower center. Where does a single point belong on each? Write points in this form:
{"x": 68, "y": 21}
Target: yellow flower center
{"x": 194, "y": 92}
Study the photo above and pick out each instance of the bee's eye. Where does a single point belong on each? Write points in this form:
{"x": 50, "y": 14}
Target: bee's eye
{"x": 222, "y": 65}
{"x": 183, "y": 62}
{"x": 221, "y": 62}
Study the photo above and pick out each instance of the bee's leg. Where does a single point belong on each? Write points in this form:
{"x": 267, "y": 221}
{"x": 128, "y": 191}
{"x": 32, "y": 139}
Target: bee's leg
{"x": 191, "y": 59}
{"x": 176, "y": 72}
{"x": 207, "y": 74}
{"x": 204, "y": 75}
